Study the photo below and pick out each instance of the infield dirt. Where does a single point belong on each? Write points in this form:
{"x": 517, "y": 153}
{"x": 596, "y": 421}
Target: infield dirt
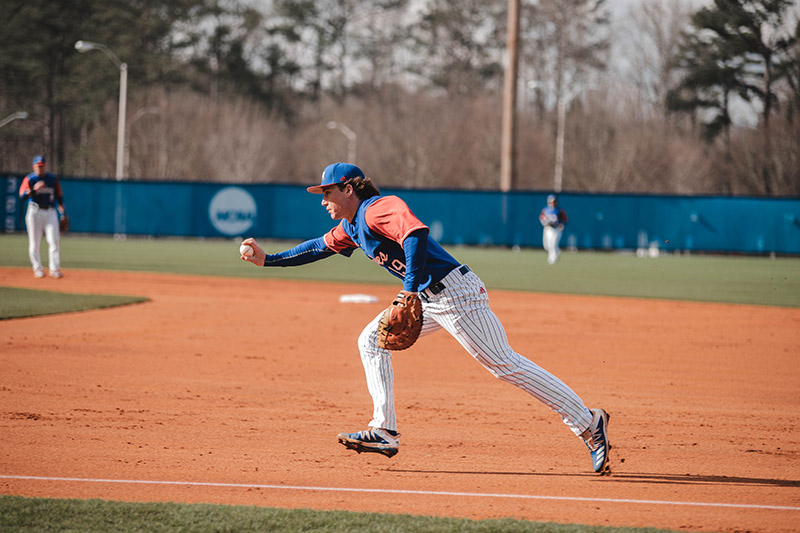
{"x": 242, "y": 382}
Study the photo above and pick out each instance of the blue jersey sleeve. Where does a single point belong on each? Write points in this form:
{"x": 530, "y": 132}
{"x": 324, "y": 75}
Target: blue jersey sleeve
{"x": 415, "y": 247}
{"x": 302, "y": 254}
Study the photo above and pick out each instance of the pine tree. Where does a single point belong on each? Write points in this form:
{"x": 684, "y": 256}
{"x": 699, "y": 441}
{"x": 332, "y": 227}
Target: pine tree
{"x": 739, "y": 47}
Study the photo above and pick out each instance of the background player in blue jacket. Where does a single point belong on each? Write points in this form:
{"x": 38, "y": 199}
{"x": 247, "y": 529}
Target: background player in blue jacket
{"x": 42, "y": 192}
{"x": 553, "y": 220}
{"x": 453, "y": 298}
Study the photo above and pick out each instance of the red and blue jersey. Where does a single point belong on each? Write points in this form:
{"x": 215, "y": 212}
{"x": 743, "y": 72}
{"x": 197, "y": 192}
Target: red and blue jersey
{"x": 389, "y": 234}
{"x": 381, "y": 228}
{"x": 47, "y": 196}
{"x": 553, "y": 216}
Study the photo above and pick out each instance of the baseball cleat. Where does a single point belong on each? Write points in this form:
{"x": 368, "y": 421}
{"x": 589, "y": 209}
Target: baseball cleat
{"x": 596, "y": 439}
{"x": 374, "y": 440}
{"x": 38, "y": 274}
{"x": 56, "y": 274}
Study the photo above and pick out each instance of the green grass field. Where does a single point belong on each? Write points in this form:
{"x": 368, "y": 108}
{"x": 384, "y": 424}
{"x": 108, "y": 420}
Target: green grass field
{"x": 19, "y": 303}
{"x": 744, "y": 280}
{"x": 88, "y": 516}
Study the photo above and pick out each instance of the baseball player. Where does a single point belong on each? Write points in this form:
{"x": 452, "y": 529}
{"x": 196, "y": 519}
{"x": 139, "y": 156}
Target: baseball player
{"x": 453, "y": 298}
{"x": 553, "y": 220}
{"x": 42, "y": 192}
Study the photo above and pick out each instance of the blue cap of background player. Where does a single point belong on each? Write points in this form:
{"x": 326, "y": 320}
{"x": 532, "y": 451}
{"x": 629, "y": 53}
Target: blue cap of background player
{"x": 551, "y": 199}
{"x": 336, "y": 173}
{"x": 39, "y": 160}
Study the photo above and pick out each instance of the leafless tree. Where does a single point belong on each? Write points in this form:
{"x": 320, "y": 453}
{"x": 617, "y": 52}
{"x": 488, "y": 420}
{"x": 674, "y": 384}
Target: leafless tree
{"x": 652, "y": 36}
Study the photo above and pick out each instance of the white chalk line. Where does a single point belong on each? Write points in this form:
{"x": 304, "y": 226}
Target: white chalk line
{"x": 400, "y": 491}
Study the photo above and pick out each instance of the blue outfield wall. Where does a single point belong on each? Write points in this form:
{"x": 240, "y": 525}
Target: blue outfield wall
{"x": 597, "y": 221}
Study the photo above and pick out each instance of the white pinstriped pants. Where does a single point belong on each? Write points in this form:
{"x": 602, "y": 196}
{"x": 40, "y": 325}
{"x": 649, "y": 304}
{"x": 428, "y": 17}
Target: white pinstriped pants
{"x": 45, "y": 221}
{"x": 551, "y": 237}
{"x": 462, "y": 309}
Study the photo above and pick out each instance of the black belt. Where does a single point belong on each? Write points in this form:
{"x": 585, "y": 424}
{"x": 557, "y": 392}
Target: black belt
{"x": 438, "y": 287}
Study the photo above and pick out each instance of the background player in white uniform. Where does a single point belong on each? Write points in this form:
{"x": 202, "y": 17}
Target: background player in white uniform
{"x": 42, "y": 191}
{"x": 453, "y": 299}
{"x": 553, "y": 219}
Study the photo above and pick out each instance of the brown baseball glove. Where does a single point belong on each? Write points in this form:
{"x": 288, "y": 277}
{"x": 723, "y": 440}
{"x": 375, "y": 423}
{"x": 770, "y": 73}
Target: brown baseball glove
{"x": 401, "y": 323}
{"x": 63, "y": 223}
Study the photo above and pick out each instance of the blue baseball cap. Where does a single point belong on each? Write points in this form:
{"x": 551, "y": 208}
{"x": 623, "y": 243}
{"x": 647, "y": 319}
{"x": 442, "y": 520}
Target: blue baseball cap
{"x": 336, "y": 173}
{"x": 551, "y": 198}
{"x": 39, "y": 160}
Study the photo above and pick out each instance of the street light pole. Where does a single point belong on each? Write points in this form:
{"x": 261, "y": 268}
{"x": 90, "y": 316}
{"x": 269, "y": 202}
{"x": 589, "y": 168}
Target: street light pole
{"x": 351, "y": 139}
{"x": 21, "y": 115}
{"x": 85, "y": 46}
{"x": 563, "y": 102}
{"x": 559, "y": 170}
{"x": 123, "y": 92}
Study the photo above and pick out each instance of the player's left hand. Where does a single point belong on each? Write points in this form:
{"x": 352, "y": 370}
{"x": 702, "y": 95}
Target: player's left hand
{"x": 401, "y": 324}
{"x": 259, "y": 256}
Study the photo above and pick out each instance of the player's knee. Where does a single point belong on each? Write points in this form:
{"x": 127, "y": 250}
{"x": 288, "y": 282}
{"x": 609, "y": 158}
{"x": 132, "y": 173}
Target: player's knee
{"x": 504, "y": 365}
{"x": 368, "y": 341}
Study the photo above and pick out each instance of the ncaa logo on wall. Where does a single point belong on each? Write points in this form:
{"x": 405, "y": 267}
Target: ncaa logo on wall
{"x": 232, "y": 211}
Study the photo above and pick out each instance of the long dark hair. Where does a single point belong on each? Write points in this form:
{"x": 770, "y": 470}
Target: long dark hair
{"x": 363, "y": 187}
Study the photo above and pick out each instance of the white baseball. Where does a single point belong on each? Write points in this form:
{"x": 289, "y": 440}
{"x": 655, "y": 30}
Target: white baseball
{"x": 246, "y": 250}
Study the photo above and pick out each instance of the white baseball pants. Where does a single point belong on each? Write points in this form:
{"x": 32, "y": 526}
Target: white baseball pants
{"x": 551, "y": 237}
{"x": 43, "y": 221}
{"x": 462, "y": 309}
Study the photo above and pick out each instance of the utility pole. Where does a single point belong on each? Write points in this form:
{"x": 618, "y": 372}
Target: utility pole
{"x": 508, "y": 146}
